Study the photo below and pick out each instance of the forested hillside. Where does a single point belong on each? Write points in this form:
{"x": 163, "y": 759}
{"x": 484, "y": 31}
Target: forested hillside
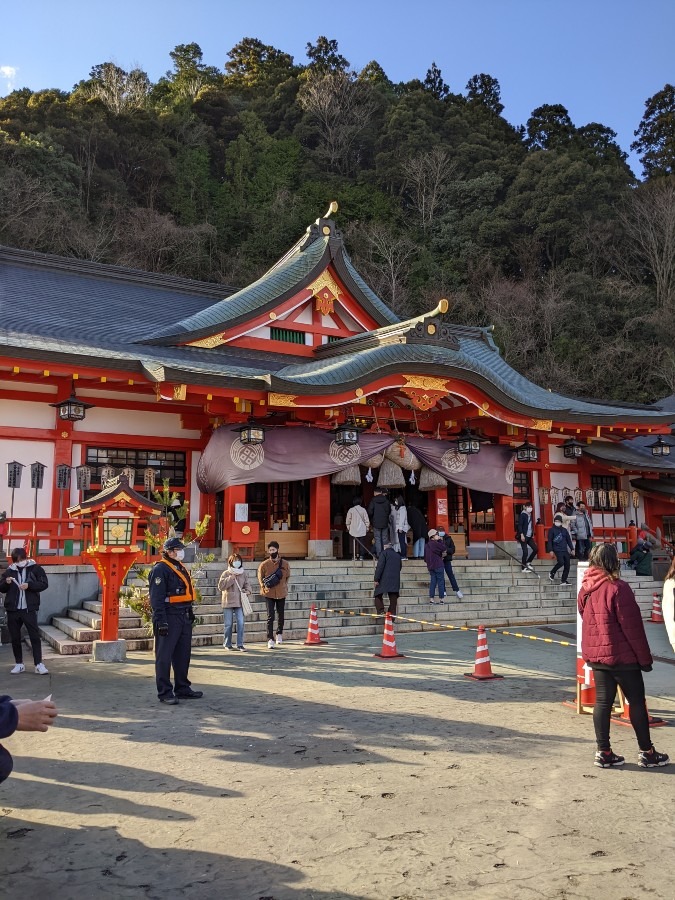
{"x": 543, "y": 230}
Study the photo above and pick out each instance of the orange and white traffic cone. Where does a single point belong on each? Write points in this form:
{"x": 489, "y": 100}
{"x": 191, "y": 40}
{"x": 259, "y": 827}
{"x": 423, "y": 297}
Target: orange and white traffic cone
{"x": 623, "y": 718}
{"x": 389, "y": 650}
{"x": 657, "y": 612}
{"x": 482, "y": 670}
{"x": 313, "y": 635}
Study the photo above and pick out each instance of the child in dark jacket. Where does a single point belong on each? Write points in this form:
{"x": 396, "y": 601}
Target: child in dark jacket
{"x": 559, "y": 543}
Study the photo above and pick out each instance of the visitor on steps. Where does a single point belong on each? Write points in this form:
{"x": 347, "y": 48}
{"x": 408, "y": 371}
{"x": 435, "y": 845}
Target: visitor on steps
{"x": 22, "y": 582}
{"x": 418, "y": 524}
{"x": 273, "y": 575}
{"x": 232, "y": 583}
{"x": 387, "y": 579}
{"x": 584, "y": 532}
{"x": 433, "y": 557}
{"x": 559, "y": 544}
{"x": 379, "y": 510}
{"x": 614, "y": 644}
{"x": 402, "y": 526}
{"x": 358, "y": 523}
{"x": 449, "y": 546}
{"x": 526, "y": 537}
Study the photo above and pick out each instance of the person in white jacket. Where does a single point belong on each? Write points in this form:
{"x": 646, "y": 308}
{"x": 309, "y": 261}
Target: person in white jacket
{"x": 668, "y": 604}
{"x": 358, "y": 523}
{"x": 402, "y": 526}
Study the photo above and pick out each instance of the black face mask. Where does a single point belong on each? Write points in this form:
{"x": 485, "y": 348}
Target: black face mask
{"x": 274, "y": 553}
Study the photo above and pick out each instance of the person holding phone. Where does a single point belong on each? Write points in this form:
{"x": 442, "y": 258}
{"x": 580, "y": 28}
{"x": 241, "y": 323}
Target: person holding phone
{"x": 22, "y": 582}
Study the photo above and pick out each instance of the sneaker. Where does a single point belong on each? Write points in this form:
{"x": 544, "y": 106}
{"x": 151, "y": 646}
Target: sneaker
{"x": 525, "y": 569}
{"x": 41, "y": 669}
{"x": 435, "y": 602}
{"x": 242, "y": 648}
{"x": 270, "y": 645}
{"x": 649, "y": 759}
{"x": 565, "y": 583}
{"x": 528, "y": 568}
{"x": 459, "y": 595}
{"x": 551, "y": 578}
{"x": 441, "y": 599}
{"x": 18, "y": 669}
{"x": 606, "y": 759}
{"x": 227, "y": 647}
{"x": 280, "y": 639}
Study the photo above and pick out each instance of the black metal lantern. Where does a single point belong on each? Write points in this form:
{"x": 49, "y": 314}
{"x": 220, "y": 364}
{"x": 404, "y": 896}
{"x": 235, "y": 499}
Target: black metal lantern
{"x": 468, "y": 441}
{"x": 251, "y": 433}
{"x": 659, "y": 447}
{"x": 346, "y": 435}
{"x": 572, "y": 449}
{"x": 72, "y": 409}
{"x": 527, "y": 452}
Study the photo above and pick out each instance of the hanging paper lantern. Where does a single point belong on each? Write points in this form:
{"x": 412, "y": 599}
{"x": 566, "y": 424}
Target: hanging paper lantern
{"x": 602, "y": 499}
{"x": 431, "y": 480}
{"x": 555, "y": 496}
{"x": 623, "y": 499}
{"x": 391, "y": 476}
{"x": 544, "y": 494}
{"x": 107, "y": 472}
{"x": 578, "y": 496}
{"x": 149, "y": 478}
{"x": 350, "y": 475}
{"x": 636, "y": 500}
{"x": 613, "y": 498}
{"x": 590, "y": 498}
{"x": 130, "y": 473}
{"x": 401, "y": 455}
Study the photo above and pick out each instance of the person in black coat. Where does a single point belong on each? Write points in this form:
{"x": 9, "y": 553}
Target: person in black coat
{"x": 525, "y": 535}
{"x": 418, "y": 524}
{"x": 559, "y": 543}
{"x": 171, "y": 598}
{"x": 22, "y": 582}
{"x": 379, "y": 510}
{"x": 388, "y": 579}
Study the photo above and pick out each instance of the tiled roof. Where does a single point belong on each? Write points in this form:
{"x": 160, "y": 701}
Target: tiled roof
{"x": 627, "y": 455}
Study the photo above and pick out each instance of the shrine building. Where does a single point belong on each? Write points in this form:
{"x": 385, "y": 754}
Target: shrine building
{"x": 271, "y": 407}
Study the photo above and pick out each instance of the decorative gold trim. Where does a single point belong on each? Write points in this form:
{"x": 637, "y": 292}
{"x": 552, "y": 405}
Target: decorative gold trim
{"x": 359, "y": 392}
{"x": 426, "y": 383}
{"x": 282, "y": 399}
{"x": 325, "y": 280}
{"x": 542, "y": 424}
{"x": 273, "y": 316}
{"x": 209, "y": 342}
{"x": 179, "y": 391}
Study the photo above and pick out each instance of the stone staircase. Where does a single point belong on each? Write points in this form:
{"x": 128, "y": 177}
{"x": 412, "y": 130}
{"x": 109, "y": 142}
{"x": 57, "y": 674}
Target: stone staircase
{"x": 496, "y": 593}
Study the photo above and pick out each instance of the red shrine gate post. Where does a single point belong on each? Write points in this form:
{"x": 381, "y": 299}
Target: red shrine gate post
{"x": 115, "y": 513}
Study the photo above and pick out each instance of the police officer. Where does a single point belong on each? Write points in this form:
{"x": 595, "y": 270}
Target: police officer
{"x": 171, "y": 598}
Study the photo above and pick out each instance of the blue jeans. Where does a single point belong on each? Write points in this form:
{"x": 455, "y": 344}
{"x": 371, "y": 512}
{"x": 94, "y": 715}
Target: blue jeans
{"x": 451, "y": 575}
{"x": 418, "y": 548}
{"x": 228, "y": 615}
{"x": 437, "y": 578}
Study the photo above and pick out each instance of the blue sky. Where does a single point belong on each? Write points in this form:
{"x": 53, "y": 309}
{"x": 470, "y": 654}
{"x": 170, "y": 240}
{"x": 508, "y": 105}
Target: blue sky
{"x": 600, "y": 58}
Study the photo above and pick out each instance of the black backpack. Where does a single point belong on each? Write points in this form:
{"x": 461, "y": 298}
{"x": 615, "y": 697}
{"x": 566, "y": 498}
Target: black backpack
{"x": 273, "y": 579}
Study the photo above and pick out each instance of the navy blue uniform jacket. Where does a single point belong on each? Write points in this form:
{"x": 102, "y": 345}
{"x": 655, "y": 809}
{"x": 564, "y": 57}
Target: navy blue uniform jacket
{"x": 164, "y": 583}
{"x": 9, "y": 719}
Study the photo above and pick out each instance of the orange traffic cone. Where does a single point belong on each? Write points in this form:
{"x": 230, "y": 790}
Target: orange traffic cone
{"x": 657, "y": 612}
{"x": 624, "y": 716}
{"x": 389, "y": 650}
{"x": 313, "y": 636}
{"x": 482, "y": 670}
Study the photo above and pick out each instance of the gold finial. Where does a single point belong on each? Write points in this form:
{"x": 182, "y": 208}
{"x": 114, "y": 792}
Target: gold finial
{"x": 332, "y": 209}
{"x": 443, "y": 306}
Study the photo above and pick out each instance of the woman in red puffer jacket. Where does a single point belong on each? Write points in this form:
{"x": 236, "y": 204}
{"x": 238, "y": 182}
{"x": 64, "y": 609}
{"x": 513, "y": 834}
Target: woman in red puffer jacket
{"x": 614, "y": 644}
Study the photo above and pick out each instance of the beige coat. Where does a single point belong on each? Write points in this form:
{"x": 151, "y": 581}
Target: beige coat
{"x": 668, "y": 609}
{"x": 232, "y": 582}
{"x": 279, "y": 591}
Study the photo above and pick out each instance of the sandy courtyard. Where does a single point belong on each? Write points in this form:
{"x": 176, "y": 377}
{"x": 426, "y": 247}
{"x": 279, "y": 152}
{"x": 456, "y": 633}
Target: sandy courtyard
{"x": 327, "y": 773}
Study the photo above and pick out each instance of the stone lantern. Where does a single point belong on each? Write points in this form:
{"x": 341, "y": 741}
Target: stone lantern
{"x": 115, "y": 513}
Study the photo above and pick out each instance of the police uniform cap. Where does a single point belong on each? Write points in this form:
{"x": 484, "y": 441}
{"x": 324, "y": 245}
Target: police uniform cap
{"x": 173, "y": 544}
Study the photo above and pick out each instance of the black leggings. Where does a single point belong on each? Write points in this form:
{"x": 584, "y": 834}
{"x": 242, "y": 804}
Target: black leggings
{"x": 631, "y": 683}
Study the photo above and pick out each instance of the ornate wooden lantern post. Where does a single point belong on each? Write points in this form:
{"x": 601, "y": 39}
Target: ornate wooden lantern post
{"x": 114, "y": 514}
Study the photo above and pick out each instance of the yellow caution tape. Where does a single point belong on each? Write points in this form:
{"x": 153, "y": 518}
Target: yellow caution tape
{"x": 529, "y": 637}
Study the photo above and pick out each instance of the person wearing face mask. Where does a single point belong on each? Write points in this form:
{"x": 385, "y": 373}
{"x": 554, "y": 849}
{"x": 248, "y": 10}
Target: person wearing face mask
{"x": 171, "y": 598}
{"x": 22, "y": 583}
{"x": 232, "y": 583}
{"x": 526, "y": 537}
{"x": 273, "y": 575}
{"x": 449, "y": 545}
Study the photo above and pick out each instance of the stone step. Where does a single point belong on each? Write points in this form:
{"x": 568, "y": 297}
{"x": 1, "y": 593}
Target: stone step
{"x": 66, "y": 646}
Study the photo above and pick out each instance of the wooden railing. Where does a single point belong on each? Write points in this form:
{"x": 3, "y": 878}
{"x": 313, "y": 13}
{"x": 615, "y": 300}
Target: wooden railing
{"x": 60, "y": 542}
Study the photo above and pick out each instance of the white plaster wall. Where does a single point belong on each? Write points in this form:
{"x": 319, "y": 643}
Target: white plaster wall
{"x": 26, "y": 414}
{"x": 562, "y": 480}
{"x": 134, "y": 422}
{"x": 27, "y": 452}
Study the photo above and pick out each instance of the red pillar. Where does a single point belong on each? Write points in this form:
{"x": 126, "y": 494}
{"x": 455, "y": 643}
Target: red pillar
{"x": 504, "y": 524}
{"x": 319, "y": 508}
{"x": 437, "y": 511}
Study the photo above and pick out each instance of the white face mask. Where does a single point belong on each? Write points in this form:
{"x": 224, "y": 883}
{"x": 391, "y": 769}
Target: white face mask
{"x": 22, "y": 563}
{"x": 180, "y": 555}
{"x": 236, "y": 564}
